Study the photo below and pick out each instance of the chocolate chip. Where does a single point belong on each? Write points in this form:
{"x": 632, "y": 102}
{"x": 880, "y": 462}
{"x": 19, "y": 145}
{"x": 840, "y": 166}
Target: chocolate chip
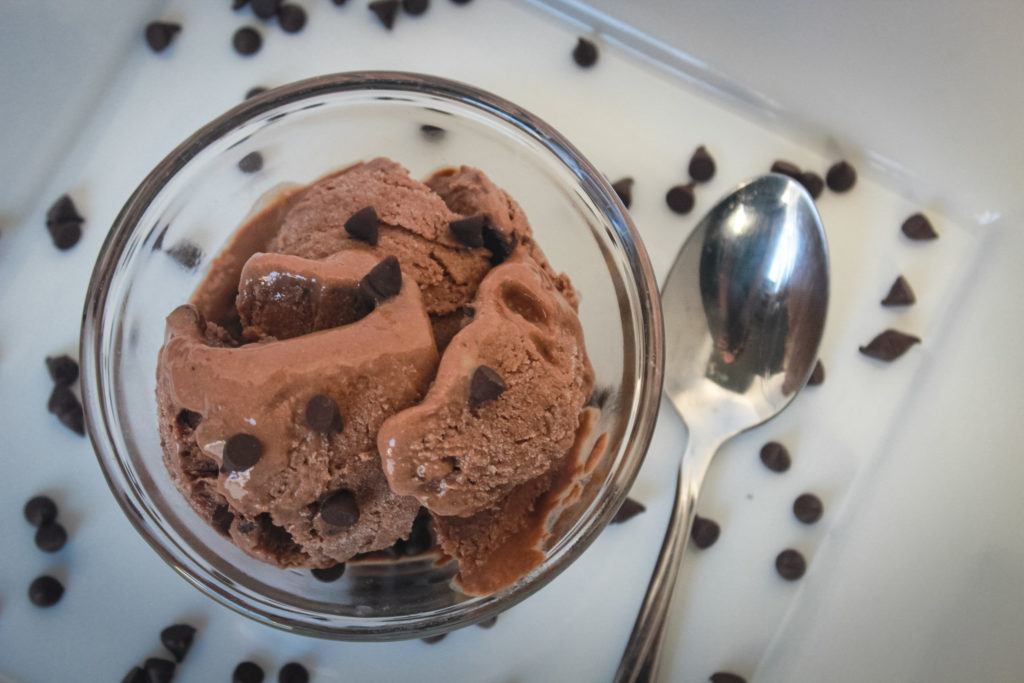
{"x": 136, "y": 675}
{"x": 265, "y": 9}
{"x": 73, "y": 419}
{"x": 382, "y": 282}
{"x": 386, "y": 10}
{"x": 241, "y": 451}
{"x": 329, "y": 574}
{"x": 189, "y": 419}
{"x": 702, "y": 165}
{"x": 680, "y": 199}
{"x": 889, "y": 345}
{"x": 160, "y": 34}
{"x": 322, "y": 415}
{"x": 247, "y": 672}
{"x": 808, "y": 508}
{"x": 254, "y": 91}
{"x": 186, "y": 254}
{"x": 628, "y": 510}
{"x": 432, "y": 132}
{"x": 498, "y": 243}
{"x": 363, "y": 225}
{"x": 340, "y": 508}
{"x": 704, "y": 532}
{"x": 585, "y": 53}
{"x": 293, "y": 672}
{"x": 790, "y": 564}
{"x": 64, "y": 223}
{"x": 812, "y": 182}
{"x": 430, "y": 640}
{"x": 247, "y": 41}
{"x": 177, "y": 638}
{"x": 841, "y": 177}
{"x": 159, "y": 670}
{"x": 222, "y": 518}
{"x": 624, "y": 188}
{"x": 415, "y": 7}
{"x": 291, "y": 17}
{"x": 469, "y": 231}
{"x": 918, "y": 227}
{"x": 775, "y": 456}
{"x": 66, "y": 407}
{"x": 63, "y": 210}
{"x": 900, "y": 294}
{"x": 726, "y": 677}
{"x": 485, "y": 385}
{"x": 786, "y": 168}
{"x": 488, "y": 623}
{"x": 51, "y": 537}
{"x": 45, "y": 591}
{"x": 63, "y": 369}
{"x": 817, "y": 375}
{"x": 251, "y": 162}
{"x": 40, "y": 510}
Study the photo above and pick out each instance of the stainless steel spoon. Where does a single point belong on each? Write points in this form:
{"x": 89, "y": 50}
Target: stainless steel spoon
{"x": 744, "y": 308}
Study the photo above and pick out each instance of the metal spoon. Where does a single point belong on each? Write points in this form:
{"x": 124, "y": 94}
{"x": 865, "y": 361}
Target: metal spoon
{"x": 744, "y": 308}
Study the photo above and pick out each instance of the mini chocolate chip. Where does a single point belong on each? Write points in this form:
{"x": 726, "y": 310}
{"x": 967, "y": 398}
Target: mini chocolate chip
{"x": 328, "y": 574}
{"x": 64, "y": 223}
{"x": 51, "y": 537}
{"x": 430, "y": 640}
{"x": 386, "y": 10}
{"x": 340, "y": 508}
{"x": 704, "y": 532}
{"x": 160, "y": 34}
{"x": 628, "y": 510}
{"x": 585, "y": 53}
{"x": 817, "y": 375}
{"x": 265, "y": 9}
{"x": 247, "y": 672}
{"x": 469, "y": 231}
{"x": 247, "y": 41}
{"x": 485, "y": 385}
{"x": 251, "y": 162}
{"x": 363, "y": 225}
{"x": 624, "y": 188}
{"x": 63, "y": 369}
{"x": 322, "y": 415}
{"x": 222, "y": 518}
{"x": 61, "y": 399}
{"x": 293, "y": 672}
{"x": 900, "y": 294}
{"x": 812, "y": 182}
{"x": 775, "y": 456}
{"x": 786, "y": 168}
{"x": 291, "y": 17}
{"x": 382, "y": 282}
{"x": 790, "y": 564}
{"x": 726, "y": 677}
{"x": 415, "y": 7}
{"x": 702, "y": 166}
{"x": 186, "y": 254}
{"x": 432, "y": 132}
{"x": 498, "y": 243}
{"x": 159, "y": 670}
{"x": 841, "y": 177}
{"x": 808, "y": 508}
{"x": 680, "y": 199}
{"x": 918, "y": 227}
{"x": 488, "y": 623}
{"x": 45, "y": 591}
{"x": 177, "y": 638}
{"x": 241, "y": 451}
{"x": 889, "y": 345}
{"x": 254, "y": 91}
{"x": 40, "y": 510}
{"x": 73, "y": 419}
{"x": 188, "y": 418}
{"x": 136, "y": 675}
{"x": 63, "y": 210}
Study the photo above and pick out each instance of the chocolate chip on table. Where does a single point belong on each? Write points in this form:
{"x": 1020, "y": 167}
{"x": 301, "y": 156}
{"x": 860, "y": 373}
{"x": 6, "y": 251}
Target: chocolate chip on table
{"x": 900, "y": 294}
{"x": 382, "y": 282}
{"x": 485, "y": 385}
{"x": 787, "y": 168}
{"x": 340, "y": 508}
{"x": 329, "y": 574}
{"x": 177, "y": 638}
{"x": 241, "y": 451}
{"x": 918, "y": 227}
{"x": 432, "y": 132}
{"x": 159, "y": 670}
{"x": 136, "y": 675}
{"x": 415, "y": 7}
{"x": 254, "y": 91}
{"x": 889, "y": 345}
{"x": 704, "y": 532}
{"x": 291, "y": 17}
{"x": 293, "y": 672}
{"x": 775, "y": 456}
{"x": 624, "y": 188}
{"x": 726, "y": 677}
{"x": 585, "y": 53}
{"x": 323, "y": 415}
{"x": 498, "y": 243}
{"x": 66, "y": 407}
{"x": 812, "y": 182}
{"x": 841, "y": 177}
{"x": 45, "y": 591}
{"x": 702, "y": 166}
{"x": 386, "y": 10}
{"x": 488, "y": 623}
{"x": 251, "y": 162}
{"x": 469, "y": 231}
{"x": 680, "y": 199}
{"x": 160, "y": 34}
{"x": 265, "y": 9}
{"x": 363, "y": 225}
{"x": 817, "y": 375}
{"x": 64, "y": 223}
{"x": 40, "y": 510}
{"x": 63, "y": 369}
{"x": 628, "y": 510}
{"x": 247, "y": 672}
{"x": 186, "y": 254}
{"x": 808, "y": 508}
{"x": 430, "y": 640}
{"x": 51, "y": 537}
{"x": 247, "y": 41}
{"x": 790, "y": 564}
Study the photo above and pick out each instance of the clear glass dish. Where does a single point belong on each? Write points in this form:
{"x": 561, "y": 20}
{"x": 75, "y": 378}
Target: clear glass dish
{"x": 198, "y": 195}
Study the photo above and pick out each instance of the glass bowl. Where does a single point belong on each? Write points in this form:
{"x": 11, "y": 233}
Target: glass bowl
{"x": 198, "y": 196}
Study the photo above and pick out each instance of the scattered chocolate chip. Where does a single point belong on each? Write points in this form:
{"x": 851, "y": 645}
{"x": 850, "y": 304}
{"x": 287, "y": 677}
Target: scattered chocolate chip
{"x": 265, "y": 9}
{"x": 65, "y": 235}
{"x": 293, "y": 672}
{"x": 432, "y": 132}
{"x": 499, "y": 244}
{"x": 222, "y": 518}
{"x": 585, "y": 53}
{"x": 786, "y": 168}
{"x": 918, "y": 227}
{"x": 817, "y": 375}
{"x": 430, "y": 640}
{"x": 415, "y": 7}
{"x": 363, "y": 225}
{"x": 247, "y": 41}
{"x": 485, "y": 385}
{"x": 251, "y": 162}
{"x": 247, "y": 672}
{"x": 322, "y": 414}
{"x": 726, "y": 677}
{"x": 329, "y": 574}
{"x": 64, "y": 223}
{"x": 291, "y": 17}
{"x": 469, "y": 231}
{"x": 841, "y": 177}
{"x": 340, "y": 508}
{"x": 160, "y": 34}
{"x": 808, "y": 508}
{"x": 63, "y": 369}
{"x": 177, "y": 638}
{"x": 254, "y": 91}
{"x": 704, "y": 532}
{"x": 51, "y": 537}
{"x": 624, "y": 188}
{"x": 702, "y": 166}
{"x": 63, "y": 210}
{"x": 488, "y": 623}
{"x": 790, "y": 564}
{"x": 241, "y": 451}
{"x": 188, "y": 418}
{"x": 40, "y": 510}
{"x": 382, "y": 282}
{"x": 889, "y": 345}
{"x": 680, "y": 199}
{"x": 900, "y": 294}
{"x": 159, "y": 670}
{"x": 812, "y": 182}
{"x": 775, "y": 456}
{"x": 73, "y": 419}
{"x": 136, "y": 675}
{"x": 45, "y": 591}
{"x": 66, "y": 407}
{"x": 187, "y": 254}
{"x": 386, "y": 10}
{"x": 628, "y": 510}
